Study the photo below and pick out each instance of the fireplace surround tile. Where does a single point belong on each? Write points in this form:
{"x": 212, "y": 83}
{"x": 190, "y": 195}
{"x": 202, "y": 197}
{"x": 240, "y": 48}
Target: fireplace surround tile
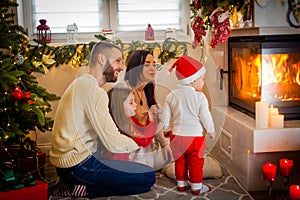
{"x": 252, "y": 147}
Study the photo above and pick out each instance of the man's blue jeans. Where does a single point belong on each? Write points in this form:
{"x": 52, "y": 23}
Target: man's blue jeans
{"x": 110, "y": 177}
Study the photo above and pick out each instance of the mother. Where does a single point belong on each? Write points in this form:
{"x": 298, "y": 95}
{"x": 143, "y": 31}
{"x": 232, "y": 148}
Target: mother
{"x": 140, "y": 76}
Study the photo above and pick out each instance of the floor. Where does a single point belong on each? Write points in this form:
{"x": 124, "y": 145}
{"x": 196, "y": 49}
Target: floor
{"x": 225, "y": 188}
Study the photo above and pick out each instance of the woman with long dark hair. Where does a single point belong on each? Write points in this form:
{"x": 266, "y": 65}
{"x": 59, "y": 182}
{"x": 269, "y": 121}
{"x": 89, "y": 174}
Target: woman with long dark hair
{"x": 140, "y": 76}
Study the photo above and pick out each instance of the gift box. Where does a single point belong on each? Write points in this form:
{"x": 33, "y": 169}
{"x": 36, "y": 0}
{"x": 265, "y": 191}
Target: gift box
{"x": 37, "y": 192}
{"x": 32, "y": 165}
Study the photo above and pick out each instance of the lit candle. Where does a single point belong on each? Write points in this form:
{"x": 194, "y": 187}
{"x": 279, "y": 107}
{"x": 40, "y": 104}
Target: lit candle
{"x": 261, "y": 114}
{"x": 271, "y": 111}
{"x": 269, "y": 171}
{"x": 277, "y": 121}
{"x": 286, "y": 167}
{"x": 294, "y": 192}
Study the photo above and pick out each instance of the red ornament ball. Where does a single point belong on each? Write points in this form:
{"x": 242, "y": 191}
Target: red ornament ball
{"x": 17, "y": 94}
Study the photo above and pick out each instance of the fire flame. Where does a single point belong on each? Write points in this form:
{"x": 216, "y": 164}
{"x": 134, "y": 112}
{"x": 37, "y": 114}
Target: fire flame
{"x": 272, "y": 77}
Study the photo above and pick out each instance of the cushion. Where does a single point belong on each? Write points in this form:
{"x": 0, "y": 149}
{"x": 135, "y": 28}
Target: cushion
{"x": 211, "y": 169}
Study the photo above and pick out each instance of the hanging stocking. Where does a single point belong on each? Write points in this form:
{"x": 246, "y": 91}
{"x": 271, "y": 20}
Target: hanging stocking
{"x": 198, "y": 29}
{"x": 222, "y": 30}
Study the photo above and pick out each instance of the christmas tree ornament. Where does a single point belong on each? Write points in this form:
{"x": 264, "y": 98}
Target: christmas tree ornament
{"x": 19, "y": 59}
{"x": 17, "y": 94}
{"x": 26, "y": 95}
{"x": 198, "y": 29}
{"x": 29, "y": 72}
{"x": 30, "y": 102}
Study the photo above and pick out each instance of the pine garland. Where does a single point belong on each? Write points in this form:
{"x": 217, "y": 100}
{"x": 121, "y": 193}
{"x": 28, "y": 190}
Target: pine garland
{"x": 77, "y": 54}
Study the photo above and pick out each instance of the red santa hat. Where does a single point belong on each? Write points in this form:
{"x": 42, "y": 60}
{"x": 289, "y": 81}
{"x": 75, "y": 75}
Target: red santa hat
{"x": 187, "y": 69}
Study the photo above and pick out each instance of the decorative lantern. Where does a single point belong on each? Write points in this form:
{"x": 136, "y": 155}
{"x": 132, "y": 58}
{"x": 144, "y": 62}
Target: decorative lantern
{"x": 72, "y": 33}
{"x": 44, "y": 32}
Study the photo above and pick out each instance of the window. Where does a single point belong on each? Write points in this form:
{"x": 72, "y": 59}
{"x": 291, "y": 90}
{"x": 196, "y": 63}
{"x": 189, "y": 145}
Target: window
{"x": 60, "y": 13}
{"x": 129, "y": 17}
{"x": 134, "y": 15}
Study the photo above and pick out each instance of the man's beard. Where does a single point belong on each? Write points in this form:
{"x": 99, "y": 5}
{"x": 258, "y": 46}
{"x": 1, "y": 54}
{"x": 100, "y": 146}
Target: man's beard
{"x": 109, "y": 74}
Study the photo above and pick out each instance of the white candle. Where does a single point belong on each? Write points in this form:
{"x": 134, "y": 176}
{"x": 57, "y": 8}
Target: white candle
{"x": 277, "y": 121}
{"x": 271, "y": 111}
{"x": 261, "y": 114}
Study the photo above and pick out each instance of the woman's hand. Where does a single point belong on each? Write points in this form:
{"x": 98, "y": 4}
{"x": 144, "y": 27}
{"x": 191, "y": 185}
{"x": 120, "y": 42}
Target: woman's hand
{"x": 153, "y": 113}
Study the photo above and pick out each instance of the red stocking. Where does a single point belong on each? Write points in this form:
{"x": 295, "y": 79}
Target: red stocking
{"x": 198, "y": 29}
{"x": 222, "y": 30}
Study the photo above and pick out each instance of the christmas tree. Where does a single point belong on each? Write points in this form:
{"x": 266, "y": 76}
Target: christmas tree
{"x": 24, "y": 104}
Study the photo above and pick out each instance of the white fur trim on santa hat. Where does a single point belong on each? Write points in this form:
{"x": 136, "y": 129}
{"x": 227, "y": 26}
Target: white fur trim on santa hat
{"x": 194, "y": 76}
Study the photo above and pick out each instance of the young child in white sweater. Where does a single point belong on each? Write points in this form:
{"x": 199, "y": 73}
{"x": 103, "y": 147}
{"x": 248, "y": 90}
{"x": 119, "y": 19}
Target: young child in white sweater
{"x": 186, "y": 110}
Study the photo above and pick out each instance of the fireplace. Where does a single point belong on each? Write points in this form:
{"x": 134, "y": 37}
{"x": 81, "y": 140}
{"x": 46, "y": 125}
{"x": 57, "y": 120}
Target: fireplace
{"x": 265, "y": 68}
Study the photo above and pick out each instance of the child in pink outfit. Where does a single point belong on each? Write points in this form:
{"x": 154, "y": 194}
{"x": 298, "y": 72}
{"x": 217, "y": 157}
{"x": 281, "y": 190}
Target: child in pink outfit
{"x": 186, "y": 113}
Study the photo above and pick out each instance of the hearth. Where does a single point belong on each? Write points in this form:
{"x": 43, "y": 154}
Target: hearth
{"x": 265, "y": 68}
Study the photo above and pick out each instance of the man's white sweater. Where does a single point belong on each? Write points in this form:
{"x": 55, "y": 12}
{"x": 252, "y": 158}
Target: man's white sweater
{"x": 81, "y": 118}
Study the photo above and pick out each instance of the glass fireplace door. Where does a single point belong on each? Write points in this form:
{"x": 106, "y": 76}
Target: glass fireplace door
{"x": 265, "y": 68}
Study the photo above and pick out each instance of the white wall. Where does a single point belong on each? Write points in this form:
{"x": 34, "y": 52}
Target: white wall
{"x": 273, "y": 14}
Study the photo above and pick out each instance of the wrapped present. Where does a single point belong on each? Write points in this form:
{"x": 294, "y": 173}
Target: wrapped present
{"x": 39, "y": 191}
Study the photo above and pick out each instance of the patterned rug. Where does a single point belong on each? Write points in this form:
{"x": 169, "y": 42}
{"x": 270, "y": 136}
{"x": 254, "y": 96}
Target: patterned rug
{"x": 225, "y": 188}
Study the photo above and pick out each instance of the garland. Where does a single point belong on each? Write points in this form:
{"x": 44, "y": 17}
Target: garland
{"x": 44, "y": 56}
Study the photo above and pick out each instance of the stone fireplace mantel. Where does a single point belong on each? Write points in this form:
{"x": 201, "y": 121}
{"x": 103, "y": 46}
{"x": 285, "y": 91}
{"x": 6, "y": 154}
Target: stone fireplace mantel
{"x": 265, "y": 140}
{"x": 252, "y": 31}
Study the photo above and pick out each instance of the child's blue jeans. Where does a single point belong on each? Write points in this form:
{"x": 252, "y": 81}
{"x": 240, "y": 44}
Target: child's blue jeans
{"x": 110, "y": 177}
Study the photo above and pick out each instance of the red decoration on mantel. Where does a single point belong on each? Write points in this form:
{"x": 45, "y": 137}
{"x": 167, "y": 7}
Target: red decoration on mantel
{"x": 199, "y": 30}
{"x": 44, "y": 32}
{"x": 149, "y": 33}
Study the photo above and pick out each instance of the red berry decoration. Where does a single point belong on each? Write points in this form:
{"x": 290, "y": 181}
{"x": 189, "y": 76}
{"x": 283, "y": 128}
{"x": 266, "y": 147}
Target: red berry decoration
{"x": 26, "y": 95}
{"x": 30, "y": 102}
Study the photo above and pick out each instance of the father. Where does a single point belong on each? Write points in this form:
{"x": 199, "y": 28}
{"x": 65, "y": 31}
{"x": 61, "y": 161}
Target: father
{"x": 82, "y": 118}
